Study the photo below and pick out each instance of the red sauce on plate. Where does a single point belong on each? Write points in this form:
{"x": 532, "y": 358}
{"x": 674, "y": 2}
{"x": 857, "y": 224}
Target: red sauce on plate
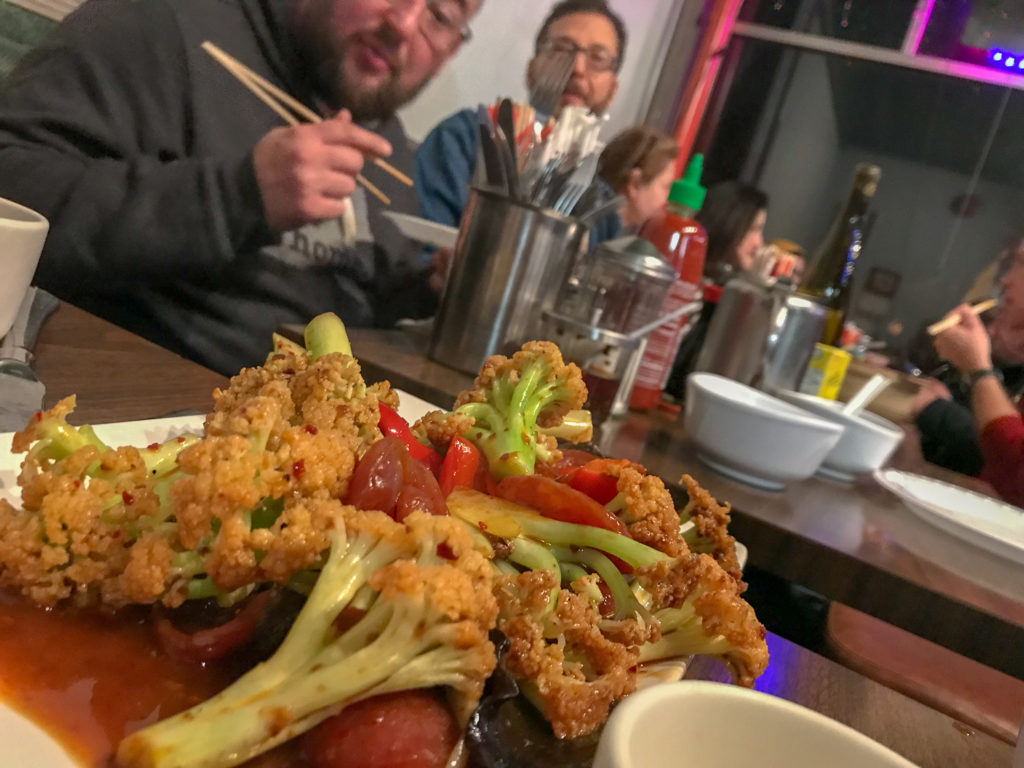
{"x": 89, "y": 680}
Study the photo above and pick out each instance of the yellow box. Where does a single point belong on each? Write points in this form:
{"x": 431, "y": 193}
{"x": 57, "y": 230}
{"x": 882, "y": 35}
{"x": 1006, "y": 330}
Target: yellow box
{"x": 826, "y": 371}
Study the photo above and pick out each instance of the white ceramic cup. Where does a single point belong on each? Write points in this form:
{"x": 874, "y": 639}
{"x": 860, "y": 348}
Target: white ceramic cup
{"x": 713, "y": 725}
{"x": 22, "y": 234}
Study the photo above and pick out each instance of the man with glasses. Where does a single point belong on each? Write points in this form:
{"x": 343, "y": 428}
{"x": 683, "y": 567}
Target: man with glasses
{"x": 587, "y": 30}
{"x": 183, "y": 208}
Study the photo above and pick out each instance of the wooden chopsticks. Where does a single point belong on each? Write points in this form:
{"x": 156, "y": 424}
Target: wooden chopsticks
{"x": 281, "y": 103}
{"x": 948, "y": 322}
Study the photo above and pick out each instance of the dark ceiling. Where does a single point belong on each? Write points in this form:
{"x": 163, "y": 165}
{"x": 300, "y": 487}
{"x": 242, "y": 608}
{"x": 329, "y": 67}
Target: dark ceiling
{"x": 932, "y": 119}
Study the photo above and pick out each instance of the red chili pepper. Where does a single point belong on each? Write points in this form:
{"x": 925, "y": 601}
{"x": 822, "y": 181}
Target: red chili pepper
{"x": 393, "y": 425}
{"x": 601, "y": 488}
{"x": 460, "y": 466}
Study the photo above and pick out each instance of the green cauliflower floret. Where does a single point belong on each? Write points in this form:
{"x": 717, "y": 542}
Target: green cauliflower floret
{"x": 513, "y": 399}
{"x": 699, "y": 608}
{"x": 429, "y": 610}
{"x": 95, "y": 521}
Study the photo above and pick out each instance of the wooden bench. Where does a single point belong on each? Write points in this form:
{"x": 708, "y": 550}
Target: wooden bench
{"x": 971, "y": 692}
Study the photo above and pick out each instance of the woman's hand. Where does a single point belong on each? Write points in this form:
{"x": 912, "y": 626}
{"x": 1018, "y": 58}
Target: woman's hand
{"x": 966, "y": 345}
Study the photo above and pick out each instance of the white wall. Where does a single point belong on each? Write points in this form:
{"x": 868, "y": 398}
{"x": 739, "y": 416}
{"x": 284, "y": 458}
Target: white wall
{"x": 493, "y": 64}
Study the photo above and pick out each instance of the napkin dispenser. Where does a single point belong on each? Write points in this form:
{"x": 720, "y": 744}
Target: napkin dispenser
{"x": 762, "y": 333}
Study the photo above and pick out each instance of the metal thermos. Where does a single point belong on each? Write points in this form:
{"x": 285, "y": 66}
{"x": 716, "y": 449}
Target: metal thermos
{"x": 510, "y": 260}
{"x": 796, "y": 327}
{"x": 762, "y": 334}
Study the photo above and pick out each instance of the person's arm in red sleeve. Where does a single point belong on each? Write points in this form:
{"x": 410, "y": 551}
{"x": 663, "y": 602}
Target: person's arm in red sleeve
{"x": 1001, "y": 440}
{"x": 1000, "y": 427}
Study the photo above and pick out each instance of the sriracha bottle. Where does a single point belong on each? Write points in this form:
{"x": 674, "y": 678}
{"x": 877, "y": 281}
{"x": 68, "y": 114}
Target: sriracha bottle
{"x": 683, "y": 242}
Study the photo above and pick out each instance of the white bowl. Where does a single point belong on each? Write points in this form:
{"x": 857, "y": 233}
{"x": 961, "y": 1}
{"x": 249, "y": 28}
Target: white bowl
{"x": 22, "y": 233}
{"x": 868, "y": 440}
{"x": 714, "y": 725}
{"x": 753, "y": 437}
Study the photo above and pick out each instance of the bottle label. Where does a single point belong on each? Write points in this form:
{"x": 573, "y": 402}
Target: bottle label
{"x": 852, "y": 254}
{"x": 656, "y": 365}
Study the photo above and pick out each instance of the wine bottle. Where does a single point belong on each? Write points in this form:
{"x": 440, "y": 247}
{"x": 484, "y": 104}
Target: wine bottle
{"x": 828, "y": 279}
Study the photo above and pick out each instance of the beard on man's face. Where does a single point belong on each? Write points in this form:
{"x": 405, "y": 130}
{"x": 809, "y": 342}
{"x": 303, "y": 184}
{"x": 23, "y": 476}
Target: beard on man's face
{"x": 341, "y": 87}
{"x": 366, "y": 102}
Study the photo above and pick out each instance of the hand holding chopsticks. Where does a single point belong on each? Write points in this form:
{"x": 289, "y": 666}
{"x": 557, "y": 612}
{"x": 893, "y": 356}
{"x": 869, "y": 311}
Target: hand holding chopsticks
{"x": 294, "y": 113}
{"x": 953, "y": 319}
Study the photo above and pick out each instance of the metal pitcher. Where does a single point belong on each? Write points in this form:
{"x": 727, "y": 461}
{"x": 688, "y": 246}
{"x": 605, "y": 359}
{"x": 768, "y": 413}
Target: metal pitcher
{"x": 510, "y": 261}
{"x": 762, "y": 333}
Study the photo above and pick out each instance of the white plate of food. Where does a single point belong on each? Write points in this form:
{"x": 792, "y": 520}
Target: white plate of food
{"x": 424, "y": 231}
{"x": 27, "y": 743}
{"x": 985, "y": 522}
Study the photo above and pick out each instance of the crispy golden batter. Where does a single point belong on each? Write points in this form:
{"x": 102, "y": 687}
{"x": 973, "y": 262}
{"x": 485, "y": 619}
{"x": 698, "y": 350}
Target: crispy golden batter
{"x": 97, "y": 529}
{"x": 68, "y": 542}
{"x": 695, "y": 592}
{"x": 648, "y": 511}
{"x": 500, "y": 367}
{"x": 575, "y": 679}
{"x": 439, "y": 427}
{"x": 711, "y": 520}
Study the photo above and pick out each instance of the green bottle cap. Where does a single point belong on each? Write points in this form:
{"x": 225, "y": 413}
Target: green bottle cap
{"x": 688, "y": 192}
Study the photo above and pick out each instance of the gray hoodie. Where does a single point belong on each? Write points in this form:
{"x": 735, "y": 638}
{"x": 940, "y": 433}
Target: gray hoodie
{"x": 137, "y": 147}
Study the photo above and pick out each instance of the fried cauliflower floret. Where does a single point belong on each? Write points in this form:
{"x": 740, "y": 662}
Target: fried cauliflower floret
{"x": 298, "y": 537}
{"x": 711, "y": 525}
{"x": 71, "y": 538}
{"x": 257, "y": 382}
{"x": 437, "y": 428}
{"x": 318, "y": 464}
{"x": 699, "y": 608}
{"x": 539, "y": 358}
{"x": 646, "y": 507}
{"x": 512, "y": 399}
{"x": 34, "y": 430}
{"x": 430, "y": 612}
{"x": 384, "y": 393}
{"x": 331, "y": 394}
{"x": 561, "y": 658}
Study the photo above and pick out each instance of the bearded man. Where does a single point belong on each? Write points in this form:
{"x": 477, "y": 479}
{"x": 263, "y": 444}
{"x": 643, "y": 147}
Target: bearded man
{"x": 180, "y": 207}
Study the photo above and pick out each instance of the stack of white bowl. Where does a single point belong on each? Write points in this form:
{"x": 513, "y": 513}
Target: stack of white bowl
{"x": 769, "y": 441}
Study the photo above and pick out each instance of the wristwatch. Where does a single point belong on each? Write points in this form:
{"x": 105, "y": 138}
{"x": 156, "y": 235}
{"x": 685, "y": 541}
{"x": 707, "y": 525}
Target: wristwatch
{"x": 973, "y": 377}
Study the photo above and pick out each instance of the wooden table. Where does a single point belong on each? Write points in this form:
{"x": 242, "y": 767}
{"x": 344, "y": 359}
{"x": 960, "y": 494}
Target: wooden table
{"x": 858, "y": 545}
{"x": 116, "y": 376}
{"x": 119, "y": 376}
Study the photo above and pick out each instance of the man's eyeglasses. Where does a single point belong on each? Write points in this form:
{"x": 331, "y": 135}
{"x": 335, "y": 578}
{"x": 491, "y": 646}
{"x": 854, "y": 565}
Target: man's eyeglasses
{"x": 445, "y": 23}
{"x": 598, "y": 58}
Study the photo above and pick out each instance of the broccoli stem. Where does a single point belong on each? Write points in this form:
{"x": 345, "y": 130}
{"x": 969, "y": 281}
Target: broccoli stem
{"x": 557, "y": 533}
{"x": 310, "y": 677}
{"x": 325, "y": 334}
{"x": 682, "y": 634}
{"x": 163, "y": 459}
{"x": 537, "y": 557}
{"x": 507, "y": 520}
{"x": 58, "y": 439}
{"x": 626, "y": 605}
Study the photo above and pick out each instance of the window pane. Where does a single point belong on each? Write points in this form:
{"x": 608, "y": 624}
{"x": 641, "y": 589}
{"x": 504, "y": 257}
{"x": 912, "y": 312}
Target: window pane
{"x": 874, "y": 22}
{"x": 795, "y": 124}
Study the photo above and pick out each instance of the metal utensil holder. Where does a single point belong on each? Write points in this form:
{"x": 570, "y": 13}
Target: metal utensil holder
{"x": 510, "y": 260}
